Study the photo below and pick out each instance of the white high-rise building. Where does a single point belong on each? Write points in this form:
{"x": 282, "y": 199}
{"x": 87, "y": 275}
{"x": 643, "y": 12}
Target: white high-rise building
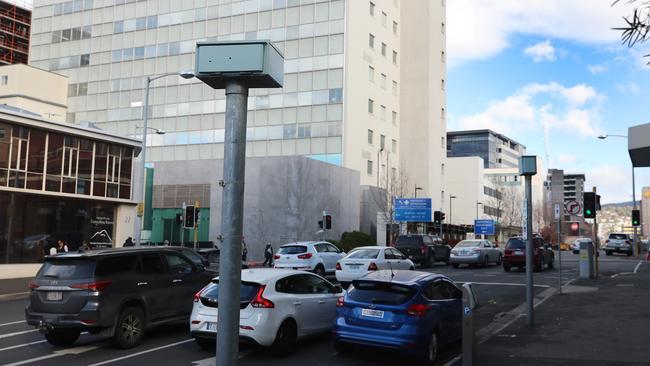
{"x": 363, "y": 87}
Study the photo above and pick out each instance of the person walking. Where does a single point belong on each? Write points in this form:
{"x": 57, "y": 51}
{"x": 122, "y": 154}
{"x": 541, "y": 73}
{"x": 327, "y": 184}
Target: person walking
{"x": 268, "y": 255}
{"x": 244, "y": 251}
{"x": 128, "y": 242}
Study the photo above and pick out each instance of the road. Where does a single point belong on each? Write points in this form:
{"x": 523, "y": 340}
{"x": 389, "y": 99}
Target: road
{"x": 499, "y": 293}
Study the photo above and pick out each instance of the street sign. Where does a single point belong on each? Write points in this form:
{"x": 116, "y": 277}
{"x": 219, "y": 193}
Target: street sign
{"x": 412, "y": 209}
{"x": 572, "y": 207}
{"x": 484, "y": 227}
{"x": 557, "y": 211}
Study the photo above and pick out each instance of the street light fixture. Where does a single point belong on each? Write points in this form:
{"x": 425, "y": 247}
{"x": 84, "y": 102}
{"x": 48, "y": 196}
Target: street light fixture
{"x": 158, "y": 131}
{"x": 145, "y": 116}
{"x": 417, "y": 189}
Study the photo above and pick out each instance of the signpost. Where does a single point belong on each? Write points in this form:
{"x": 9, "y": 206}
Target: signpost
{"x": 484, "y": 227}
{"x": 412, "y": 209}
{"x": 559, "y": 241}
{"x": 572, "y": 207}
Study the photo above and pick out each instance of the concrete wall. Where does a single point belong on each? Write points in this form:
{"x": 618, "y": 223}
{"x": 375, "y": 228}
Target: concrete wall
{"x": 373, "y": 200}
{"x": 35, "y": 90}
{"x": 284, "y": 197}
{"x": 464, "y": 179}
{"x": 124, "y": 228}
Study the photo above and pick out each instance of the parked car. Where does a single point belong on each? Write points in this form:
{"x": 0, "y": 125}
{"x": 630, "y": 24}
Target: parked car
{"x": 425, "y": 250}
{"x": 196, "y": 257}
{"x": 277, "y": 308}
{"x": 362, "y": 260}
{"x": 411, "y": 311}
{"x": 619, "y": 243}
{"x": 315, "y": 256}
{"x": 515, "y": 254}
{"x": 477, "y": 251}
{"x": 114, "y": 292}
{"x": 575, "y": 246}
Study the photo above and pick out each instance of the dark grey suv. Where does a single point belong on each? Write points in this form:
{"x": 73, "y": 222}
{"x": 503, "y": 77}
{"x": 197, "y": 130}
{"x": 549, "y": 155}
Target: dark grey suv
{"x": 114, "y": 292}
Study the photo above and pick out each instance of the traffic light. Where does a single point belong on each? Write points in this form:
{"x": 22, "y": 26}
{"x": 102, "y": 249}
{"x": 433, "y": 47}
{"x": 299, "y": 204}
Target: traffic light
{"x": 189, "y": 217}
{"x": 589, "y": 201}
{"x": 636, "y": 218}
{"x": 442, "y": 217}
{"x": 328, "y": 222}
{"x": 197, "y": 215}
{"x": 320, "y": 224}
{"x": 437, "y": 217}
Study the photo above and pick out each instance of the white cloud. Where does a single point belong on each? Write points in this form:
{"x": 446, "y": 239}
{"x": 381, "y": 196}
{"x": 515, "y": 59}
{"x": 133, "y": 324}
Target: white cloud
{"x": 565, "y": 159}
{"x": 480, "y": 29}
{"x": 543, "y": 51}
{"x": 597, "y": 69}
{"x": 629, "y": 88}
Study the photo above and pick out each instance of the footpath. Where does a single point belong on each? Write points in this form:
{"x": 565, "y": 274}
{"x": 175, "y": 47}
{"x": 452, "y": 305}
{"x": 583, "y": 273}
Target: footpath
{"x": 594, "y": 322}
{"x": 14, "y": 288}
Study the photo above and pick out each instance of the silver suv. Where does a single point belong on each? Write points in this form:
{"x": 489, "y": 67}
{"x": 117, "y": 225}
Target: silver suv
{"x": 619, "y": 243}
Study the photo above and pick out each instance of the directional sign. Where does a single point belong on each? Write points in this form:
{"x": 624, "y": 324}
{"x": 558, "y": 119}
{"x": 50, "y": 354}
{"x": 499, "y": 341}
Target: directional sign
{"x": 413, "y": 209}
{"x": 484, "y": 227}
{"x": 572, "y": 207}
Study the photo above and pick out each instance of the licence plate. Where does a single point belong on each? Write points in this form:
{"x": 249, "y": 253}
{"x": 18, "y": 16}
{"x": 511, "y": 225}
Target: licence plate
{"x": 372, "y": 313}
{"x": 519, "y": 252}
{"x": 54, "y": 296}
{"x": 212, "y": 326}
{"x": 354, "y": 266}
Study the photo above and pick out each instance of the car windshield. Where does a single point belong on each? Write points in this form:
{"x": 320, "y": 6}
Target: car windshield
{"x": 467, "y": 243}
{"x": 408, "y": 241}
{"x": 380, "y": 293}
{"x": 67, "y": 269}
{"x": 618, "y": 236}
{"x": 364, "y": 254}
{"x": 292, "y": 249}
{"x": 515, "y": 244}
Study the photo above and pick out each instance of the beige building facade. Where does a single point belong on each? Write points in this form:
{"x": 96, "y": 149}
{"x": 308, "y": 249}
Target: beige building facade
{"x": 34, "y": 90}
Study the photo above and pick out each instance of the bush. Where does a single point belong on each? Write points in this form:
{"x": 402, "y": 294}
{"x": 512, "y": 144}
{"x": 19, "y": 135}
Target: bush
{"x": 333, "y": 242}
{"x": 351, "y": 240}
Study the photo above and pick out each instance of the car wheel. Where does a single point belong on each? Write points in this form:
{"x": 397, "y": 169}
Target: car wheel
{"x": 499, "y": 260}
{"x": 206, "y": 344}
{"x": 607, "y": 252}
{"x": 431, "y": 353}
{"x": 285, "y": 338}
{"x": 320, "y": 270}
{"x": 455, "y": 265}
{"x": 62, "y": 337}
{"x": 130, "y": 328}
{"x": 506, "y": 268}
{"x": 486, "y": 261}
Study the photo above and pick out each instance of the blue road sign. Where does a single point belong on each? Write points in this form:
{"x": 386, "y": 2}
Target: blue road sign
{"x": 413, "y": 209}
{"x": 484, "y": 227}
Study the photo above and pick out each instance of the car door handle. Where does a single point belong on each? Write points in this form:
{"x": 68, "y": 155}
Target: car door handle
{"x": 297, "y": 303}
{"x": 177, "y": 281}
{"x": 143, "y": 283}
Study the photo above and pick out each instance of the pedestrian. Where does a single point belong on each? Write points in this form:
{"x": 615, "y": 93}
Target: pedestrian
{"x": 62, "y": 247}
{"x": 53, "y": 250}
{"x": 244, "y": 251}
{"x": 268, "y": 255}
{"x": 166, "y": 242}
{"x": 84, "y": 246}
{"x": 128, "y": 242}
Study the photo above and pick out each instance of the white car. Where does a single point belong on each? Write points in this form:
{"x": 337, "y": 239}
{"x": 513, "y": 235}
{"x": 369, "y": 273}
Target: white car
{"x": 315, "y": 256}
{"x": 277, "y": 307}
{"x": 362, "y": 260}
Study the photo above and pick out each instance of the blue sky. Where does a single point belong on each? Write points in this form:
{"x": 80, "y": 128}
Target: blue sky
{"x": 552, "y": 75}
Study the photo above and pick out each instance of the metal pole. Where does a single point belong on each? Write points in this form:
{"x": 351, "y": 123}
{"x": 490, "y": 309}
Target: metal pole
{"x": 450, "y": 220}
{"x": 559, "y": 251}
{"x": 636, "y": 252}
{"x": 196, "y": 224}
{"x": 322, "y": 235}
{"x": 145, "y": 113}
{"x": 529, "y": 251}
{"x": 441, "y": 224}
{"x": 416, "y": 191}
{"x": 595, "y": 235}
{"x": 232, "y": 220}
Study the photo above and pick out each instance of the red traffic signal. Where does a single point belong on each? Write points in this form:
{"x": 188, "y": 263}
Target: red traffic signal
{"x": 328, "y": 222}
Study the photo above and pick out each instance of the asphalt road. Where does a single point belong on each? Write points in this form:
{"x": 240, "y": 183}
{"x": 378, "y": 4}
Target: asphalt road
{"x": 499, "y": 293}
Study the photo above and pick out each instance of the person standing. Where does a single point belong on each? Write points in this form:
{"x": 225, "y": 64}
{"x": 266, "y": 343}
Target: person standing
{"x": 62, "y": 247}
{"x": 84, "y": 246}
{"x": 128, "y": 242}
{"x": 244, "y": 251}
{"x": 268, "y": 255}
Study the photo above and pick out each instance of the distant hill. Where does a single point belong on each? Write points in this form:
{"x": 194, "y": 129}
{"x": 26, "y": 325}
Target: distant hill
{"x": 619, "y": 204}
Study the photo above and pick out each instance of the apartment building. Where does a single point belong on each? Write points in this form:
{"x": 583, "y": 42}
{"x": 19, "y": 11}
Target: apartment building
{"x": 497, "y": 150}
{"x": 343, "y": 96}
{"x": 15, "y": 23}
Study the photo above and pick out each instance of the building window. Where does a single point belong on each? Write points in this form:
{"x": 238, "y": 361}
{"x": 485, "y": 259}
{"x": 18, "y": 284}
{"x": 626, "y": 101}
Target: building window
{"x": 371, "y": 106}
{"x": 442, "y": 169}
{"x": 442, "y": 113}
{"x": 371, "y": 74}
{"x": 395, "y": 57}
{"x": 443, "y": 28}
{"x": 442, "y": 142}
{"x": 382, "y": 142}
{"x": 371, "y": 135}
{"x": 369, "y": 167}
{"x": 4, "y": 79}
{"x": 442, "y": 84}
{"x": 395, "y": 28}
{"x": 384, "y": 19}
{"x": 383, "y": 49}
{"x": 383, "y": 113}
{"x": 371, "y": 40}
{"x": 85, "y": 60}
{"x": 394, "y": 145}
{"x": 394, "y": 87}
{"x": 394, "y": 118}
{"x": 442, "y": 56}
{"x": 371, "y": 9}
{"x": 383, "y": 81}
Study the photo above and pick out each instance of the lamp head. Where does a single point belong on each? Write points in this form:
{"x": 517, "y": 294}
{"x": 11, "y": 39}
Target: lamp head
{"x": 602, "y": 137}
{"x": 160, "y": 132}
{"x": 186, "y": 74}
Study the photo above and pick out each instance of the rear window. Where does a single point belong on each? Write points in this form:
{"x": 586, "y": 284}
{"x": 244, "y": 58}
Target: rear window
{"x": 467, "y": 243}
{"x": 516, "y": 244}
{"x": 380, "y": 293}
{"x": 618, "y": 236}
{"x": 408, "y": 241}
{"x": 292, "y": 249}
{"x": 67, "y": 269}
{"x": 247, "y": 291}
{"x": 364, "y": 254}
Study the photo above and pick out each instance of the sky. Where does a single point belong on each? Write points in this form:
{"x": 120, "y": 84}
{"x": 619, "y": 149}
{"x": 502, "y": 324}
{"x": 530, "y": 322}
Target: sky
{"x": 552, "y": 75}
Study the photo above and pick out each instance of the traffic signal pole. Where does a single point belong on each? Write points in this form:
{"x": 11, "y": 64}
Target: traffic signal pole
{"x": 529, "y": 251}
{"x": 196, "y": 224}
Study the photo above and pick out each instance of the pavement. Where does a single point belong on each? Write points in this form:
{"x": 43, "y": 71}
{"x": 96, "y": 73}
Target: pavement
{"x": 14, "y": 287}
{"x": 595, "y": 322}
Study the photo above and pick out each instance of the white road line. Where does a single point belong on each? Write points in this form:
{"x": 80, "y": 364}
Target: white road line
{"x": 21, "y": 345}
{"x": 453, "y": 361}
{"x": 636, "y": 269}
{"x": 502, "y": 284}
{"x": 12, "y": 323}
{"x": 620, "y": 274}
{"x": 141, "y": 353}
{"x": 17, "y": 333}
{"x": 63, "y": 352}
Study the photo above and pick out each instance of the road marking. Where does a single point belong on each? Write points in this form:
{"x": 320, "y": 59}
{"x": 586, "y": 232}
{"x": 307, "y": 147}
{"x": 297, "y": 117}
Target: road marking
{"x": 620, "y": 274}
{"x": 12, "y": 323}
{"x": 21, "y": 345}
{"x": 142, "y": 353}
{"x": 636, "y": 269}
{"x": 17, "y": 333}
{"x": 211, "y": 360}
{"x": 502, "y": 284}
{"x": 453, "y": 361}
{"x": 63, "y": 352}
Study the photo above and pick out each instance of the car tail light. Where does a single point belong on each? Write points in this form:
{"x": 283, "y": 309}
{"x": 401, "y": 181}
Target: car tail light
{"x": 260, "y": 302}
{"x": 340, "y": 302}
{"x": 276, "y": 257}
{"x": 417, "y": 309}
{"x": 33, "y": 285}
{"x": 305, "y": 256}
{"x": 338, "y": 266}
{"x": 372, "y": 267}
{"x": 195, "y": 321}
{"x": 423, "y": 249}
{"x": 197, "y": 296}
{"x": 93, "y": 286}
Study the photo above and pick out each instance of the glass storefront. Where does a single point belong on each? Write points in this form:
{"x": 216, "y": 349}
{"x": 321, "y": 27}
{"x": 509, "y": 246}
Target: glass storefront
{"x": 31, "y": 224}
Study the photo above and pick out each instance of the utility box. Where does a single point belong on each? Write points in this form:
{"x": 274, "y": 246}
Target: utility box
{"x": 256, "y": 63}
{"x": 586, "y": 260}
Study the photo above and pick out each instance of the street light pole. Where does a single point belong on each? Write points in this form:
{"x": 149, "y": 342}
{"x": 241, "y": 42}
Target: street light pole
{"x": 477, "y": 204}
{"x": 416, "y": 190}
{"x": 378, "y": 152}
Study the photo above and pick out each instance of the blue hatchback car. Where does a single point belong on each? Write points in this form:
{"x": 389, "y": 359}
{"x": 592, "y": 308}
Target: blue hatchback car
{"x": 410, "y": 311}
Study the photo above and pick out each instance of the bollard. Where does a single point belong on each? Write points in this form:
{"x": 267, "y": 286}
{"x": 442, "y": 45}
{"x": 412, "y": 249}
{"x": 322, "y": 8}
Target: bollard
{"x": 470, "y": 303}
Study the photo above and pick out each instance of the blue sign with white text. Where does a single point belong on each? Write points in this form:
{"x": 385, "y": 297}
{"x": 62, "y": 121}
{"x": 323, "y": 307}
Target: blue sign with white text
{"x": 412, "y": 209}
{"x": 484, "y": 227}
